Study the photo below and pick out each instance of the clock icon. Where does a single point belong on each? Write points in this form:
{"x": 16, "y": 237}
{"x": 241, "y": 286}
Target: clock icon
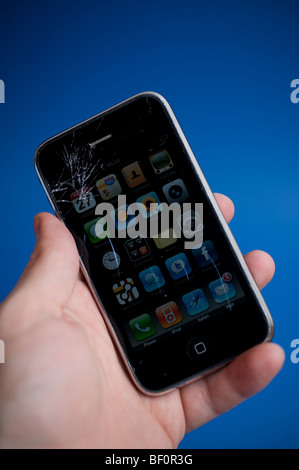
{"x": 111, "y": 260}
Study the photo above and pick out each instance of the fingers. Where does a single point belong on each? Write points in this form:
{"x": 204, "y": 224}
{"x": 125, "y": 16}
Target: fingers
{"x": 226, "y": 205}
{"x": 245, "y": 376}
{"x": 261, "y": 266}
{"x": 50, "y": 276}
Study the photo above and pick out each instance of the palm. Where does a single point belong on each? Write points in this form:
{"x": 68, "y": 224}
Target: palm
{"x": 67, "y": 380}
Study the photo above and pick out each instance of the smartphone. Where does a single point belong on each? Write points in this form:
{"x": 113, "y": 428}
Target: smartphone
{"x": 175, "y": 312}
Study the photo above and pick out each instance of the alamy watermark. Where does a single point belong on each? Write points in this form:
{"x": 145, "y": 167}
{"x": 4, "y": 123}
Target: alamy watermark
{"x": 2, "y": 352}
{"x": 2, "y": 91}
{"x": 295, "y": 353}
{"x": 295, "y": 93}
{"x": 151, "y": 220}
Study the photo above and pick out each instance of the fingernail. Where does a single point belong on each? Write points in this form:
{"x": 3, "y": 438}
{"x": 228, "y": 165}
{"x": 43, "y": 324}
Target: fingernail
{"x": 36, "y": 226}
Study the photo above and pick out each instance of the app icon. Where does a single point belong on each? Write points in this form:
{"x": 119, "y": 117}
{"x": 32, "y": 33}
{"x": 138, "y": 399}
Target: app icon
{"x": 152, "y": 278}
{"x": 137, "y": 248}
{"x": 83, "y": 200}
{"x": 96, "y": 230}
{"x": 227, "y": 277}
{"x": 151, "y": 203}
{"x": 175, "y": 191}
{"x": 165, "y": 238}
{"x": 125, "y": 291}
{"x": 222, "y": 290}
{"x": 108, "y": 187}
{"x": 195, "y": 302}
{"x": 142, "y": 327}
{"x": 161, "y": 161}
{"x": 111, "y": 260}
{"x": 121, "y": 218}
{"x": 178, "y": 266}
{"x": 169, "y": 314}
{"x": 133, "y": 175}
{"x": 206, "y": 254}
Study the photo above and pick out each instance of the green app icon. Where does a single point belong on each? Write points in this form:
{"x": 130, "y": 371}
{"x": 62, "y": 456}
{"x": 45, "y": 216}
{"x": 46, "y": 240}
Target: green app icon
{"x": 142, "y": 327}
{"x": 96, "y": 230}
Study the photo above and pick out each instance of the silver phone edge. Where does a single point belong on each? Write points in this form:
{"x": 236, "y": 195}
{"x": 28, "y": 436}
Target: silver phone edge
{"x": 222, "y": 221}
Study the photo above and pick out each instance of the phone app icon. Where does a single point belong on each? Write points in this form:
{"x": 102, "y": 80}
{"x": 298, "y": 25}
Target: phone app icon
{"x": 97, "y": 230}
{"x": 165, "y": 238}
{"x": 206, "y": 254}
{"x": 161, "y": 161}
{"x": 142, "y": 327}
{"x": 175, "y": 191}
{"x": 137, "y": 248}
{"x": 111, "y": 260}
{"x": 83, "y": 199}
{"x": 151, "y": 203}
{"x": 125, "y": 291}
{"x": 222, "y": 290}
{"x": 108, "y": 187}
{"x": 152, "y": 278}
{"x": 169, "y": 314}
{"x": 195, "y": 302}
{"x": 178, "y": 266}
{"x": 121, "y": 218}
{"x": 133, "y": 175}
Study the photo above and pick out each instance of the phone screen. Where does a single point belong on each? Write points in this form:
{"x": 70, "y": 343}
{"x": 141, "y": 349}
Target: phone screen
{"x": 176, "y": 311}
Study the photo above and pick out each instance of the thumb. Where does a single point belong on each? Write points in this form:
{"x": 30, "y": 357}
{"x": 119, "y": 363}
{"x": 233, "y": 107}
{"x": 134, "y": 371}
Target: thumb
{"x": 49, "y": 278}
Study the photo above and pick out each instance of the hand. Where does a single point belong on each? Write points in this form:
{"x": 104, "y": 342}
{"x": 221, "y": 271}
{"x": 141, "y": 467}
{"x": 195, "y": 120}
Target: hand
{"x": 64, "y": 385}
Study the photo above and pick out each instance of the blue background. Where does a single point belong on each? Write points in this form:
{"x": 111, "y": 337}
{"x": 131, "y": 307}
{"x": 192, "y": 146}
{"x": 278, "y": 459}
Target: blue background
{"x": 226, "y": 68}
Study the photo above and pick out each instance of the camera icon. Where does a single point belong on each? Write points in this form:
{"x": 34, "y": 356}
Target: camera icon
{"x": 175, "y": 191}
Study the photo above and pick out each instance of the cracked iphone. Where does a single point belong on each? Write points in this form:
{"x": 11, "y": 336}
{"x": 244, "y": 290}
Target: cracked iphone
{"x": 176, "y": 312}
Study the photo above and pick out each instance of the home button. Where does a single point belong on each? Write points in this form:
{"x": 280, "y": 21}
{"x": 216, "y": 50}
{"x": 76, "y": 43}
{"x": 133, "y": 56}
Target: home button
{"x": 197, "y": 347}
{"x": 200, "y": 348}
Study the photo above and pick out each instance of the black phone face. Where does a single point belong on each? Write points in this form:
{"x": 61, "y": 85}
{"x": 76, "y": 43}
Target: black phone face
{"x": 176, "y": 312}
